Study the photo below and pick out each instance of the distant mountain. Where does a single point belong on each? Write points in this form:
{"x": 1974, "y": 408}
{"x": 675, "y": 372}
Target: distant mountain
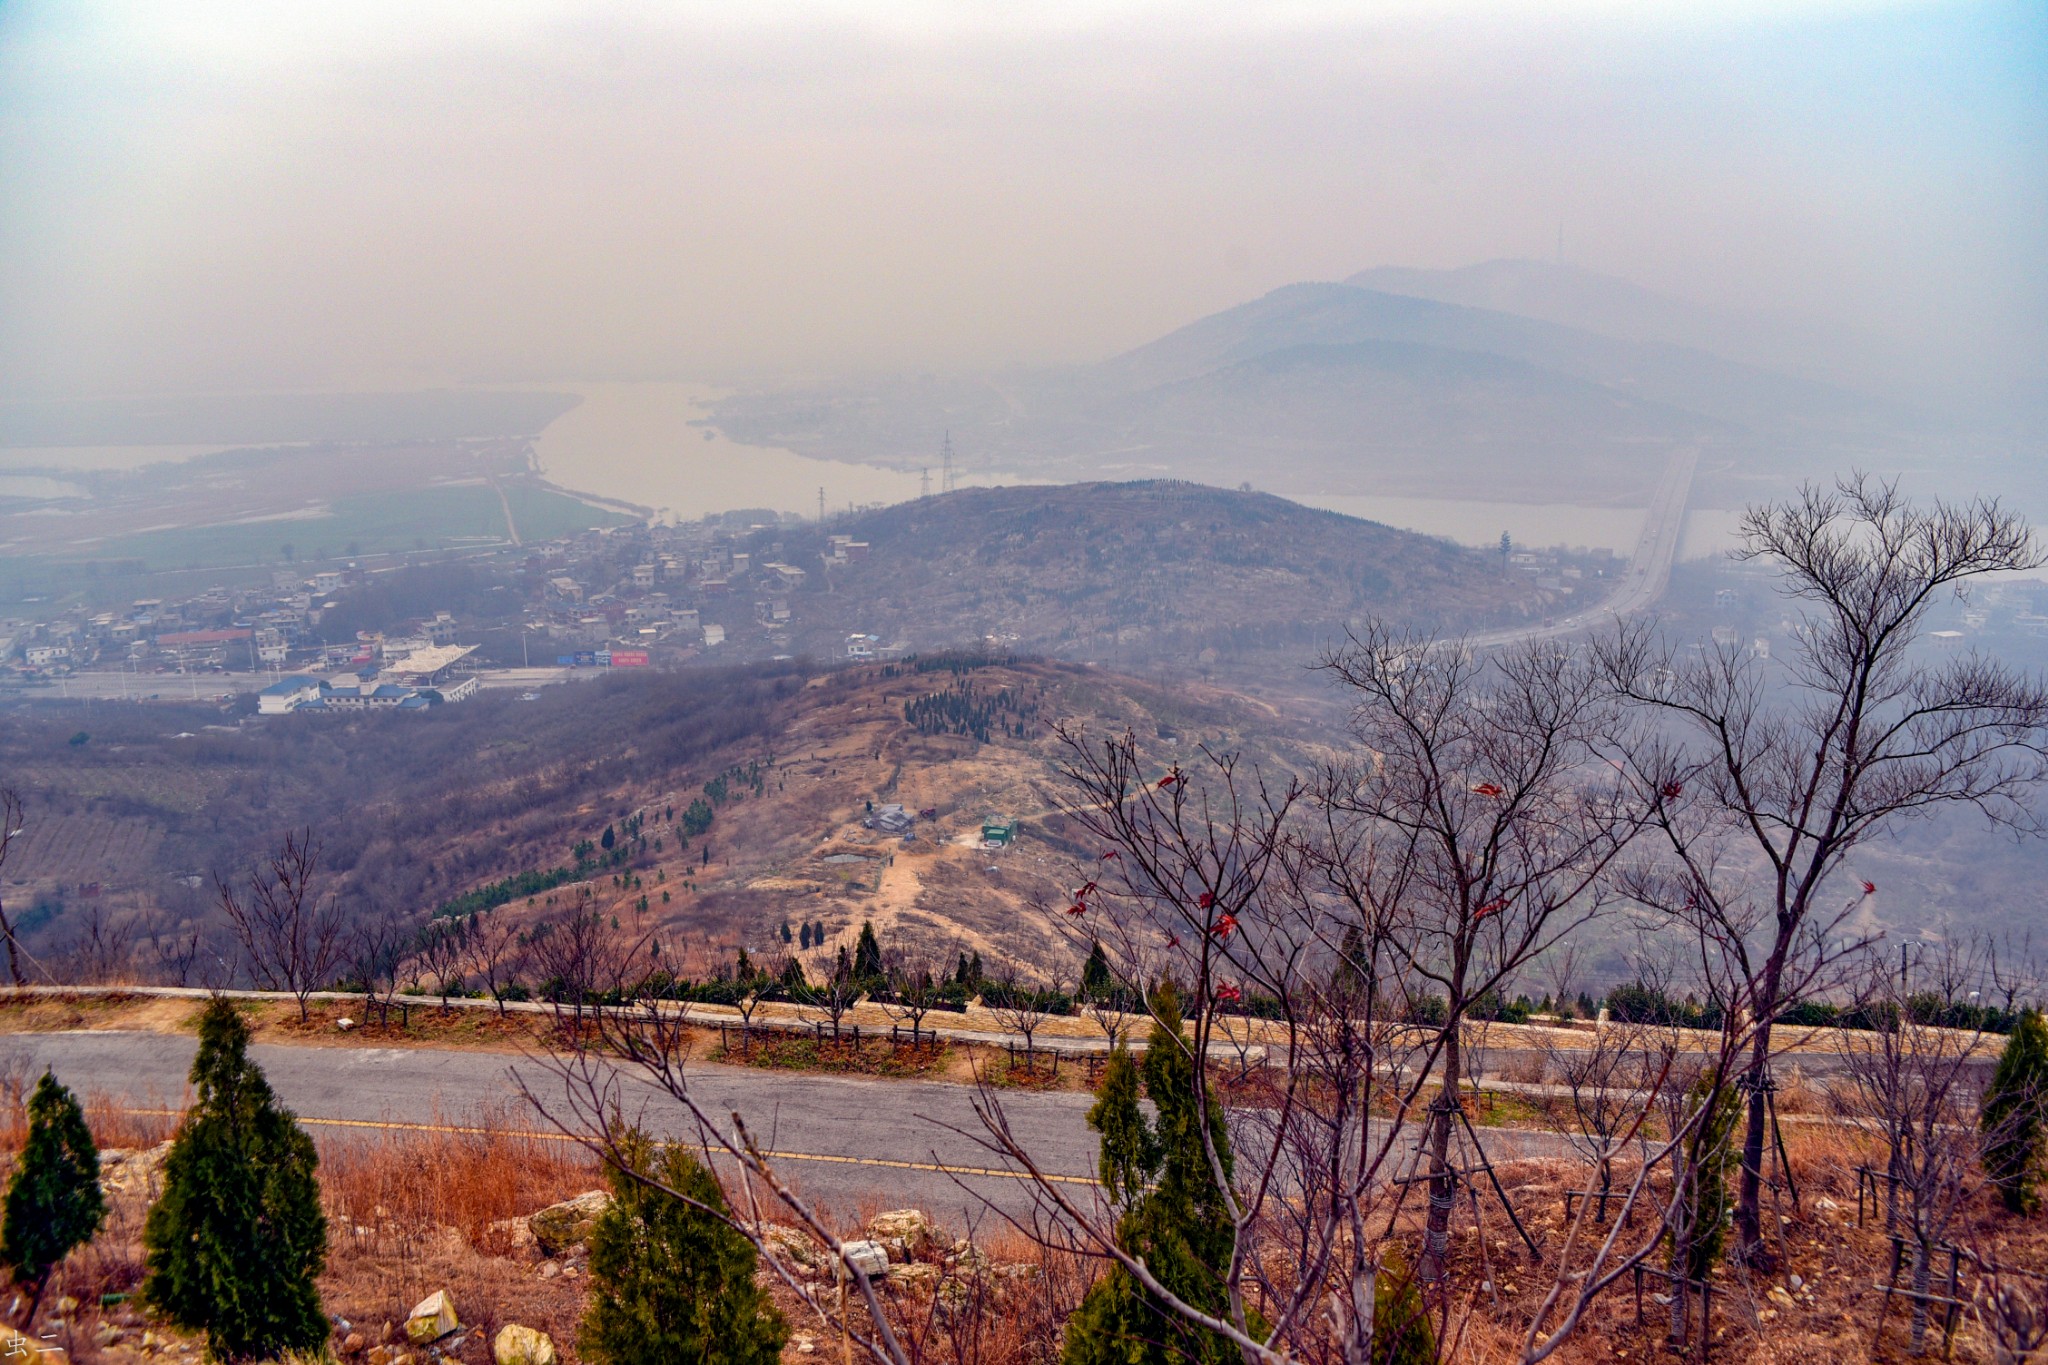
{"x": 1340, "y": 389}
{"x": 1302, "y": 314}
{"x": 1206, "y": 579}
{"x": 1572, "y": 297}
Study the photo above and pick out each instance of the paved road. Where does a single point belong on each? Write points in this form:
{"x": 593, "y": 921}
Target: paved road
{"x": 844, "y": 1141}
{"x": 1649, "y": 567}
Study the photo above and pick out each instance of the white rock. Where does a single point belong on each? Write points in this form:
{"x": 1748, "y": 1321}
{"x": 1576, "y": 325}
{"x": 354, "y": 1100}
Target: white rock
{"x": 559, "y": 1227}
{"x": 516, "y": 1345}
{"x": 870, "y": 1258}
{"x": 912, "y": 1228}
{"x": 431, "y": 1318}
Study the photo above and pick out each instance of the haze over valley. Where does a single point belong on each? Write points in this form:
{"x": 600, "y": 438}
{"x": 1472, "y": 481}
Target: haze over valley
{"x": 1110, "y": 682}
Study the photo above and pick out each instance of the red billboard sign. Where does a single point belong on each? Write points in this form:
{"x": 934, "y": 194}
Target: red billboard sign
{"x": 629, "y": 658}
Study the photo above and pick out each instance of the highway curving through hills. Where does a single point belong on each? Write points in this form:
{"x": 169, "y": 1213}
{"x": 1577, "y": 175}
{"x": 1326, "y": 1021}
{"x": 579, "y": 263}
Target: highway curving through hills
{"x": 1649, "y": 566}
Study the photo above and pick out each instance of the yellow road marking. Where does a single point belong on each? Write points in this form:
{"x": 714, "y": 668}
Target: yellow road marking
{"x": 462, "y": 1130}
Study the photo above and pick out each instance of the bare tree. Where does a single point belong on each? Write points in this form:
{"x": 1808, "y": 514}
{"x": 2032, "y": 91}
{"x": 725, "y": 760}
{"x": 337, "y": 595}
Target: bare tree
{"x": 835, "y": 994}
{"x": 378, "y": 944}
{"x": 916, "y": 985}
{"x": 290, "y": 940}
{"x": 1022, "y": 1006}
{"x": 1856, "y": 732}
{"x": 586, "y": 958}
{"x": 1108, "y": 1003}
{"x": 756, "y": 988}
{"x": 177, "y": 951}
{"x": 1559, "y": 971}
{"x": 2015, "y": 970}
{"x": 1490, "y": 821}
{"x": 439, "y": 949}
{"x": 10, "y": 827}
{"x": 1210, "y": 877}
{"x": 101, "y": 951}
{"x": 596, "y": 1045}
{"x": 1605, "y": 1087}
{"x": 2013, "y": 1316}
{"x": 1917, "y": 1085}
{"x": 496, "y": 954}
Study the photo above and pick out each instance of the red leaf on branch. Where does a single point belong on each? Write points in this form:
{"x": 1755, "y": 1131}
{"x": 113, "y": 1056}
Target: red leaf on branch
{"x": 1870, "y": 888}
{"x": 1488, "y": 789}
{"x": 1205, "y": 900}
{"x": 1223, "y": 926}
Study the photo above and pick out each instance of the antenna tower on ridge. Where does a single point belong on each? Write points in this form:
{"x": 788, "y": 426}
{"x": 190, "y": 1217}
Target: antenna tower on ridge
{"x": 924, "y": 482}
{"x": 946, "y": 464}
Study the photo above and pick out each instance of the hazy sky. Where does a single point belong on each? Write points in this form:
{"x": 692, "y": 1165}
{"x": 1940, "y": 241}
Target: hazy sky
{"x": 257, "y": 195}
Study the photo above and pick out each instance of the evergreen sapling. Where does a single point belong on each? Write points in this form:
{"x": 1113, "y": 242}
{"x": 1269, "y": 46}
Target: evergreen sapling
{"x": 673, "y": 1282}
{"x": 235, "y": 1245}
{"x": 2011, "y": 1119}
{"x": 1174, "y": 1218}
{"x": 54, "y": 1203}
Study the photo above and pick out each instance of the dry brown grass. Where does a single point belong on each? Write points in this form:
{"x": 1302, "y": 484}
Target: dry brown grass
{"x": 413, "y": 1212}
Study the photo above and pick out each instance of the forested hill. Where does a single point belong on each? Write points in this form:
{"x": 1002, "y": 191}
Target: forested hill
{"x": 1136, "y": 573}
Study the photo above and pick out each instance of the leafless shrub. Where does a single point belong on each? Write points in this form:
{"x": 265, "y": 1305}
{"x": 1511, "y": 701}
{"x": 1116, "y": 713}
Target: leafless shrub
{"x": 99, "y": 951}
{"x": 290, "y": 940}
{"x": 495, "y": 954}
{"x": 1918, "y": 1086}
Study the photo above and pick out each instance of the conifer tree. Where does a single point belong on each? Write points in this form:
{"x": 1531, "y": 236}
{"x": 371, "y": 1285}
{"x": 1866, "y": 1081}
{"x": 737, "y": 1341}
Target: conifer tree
{"x": 1174, "y": 1218}
{"x": 1097, "y": 982}
{"x": 867, "y": 954}
{"x": 54, "y": 1202}
{"x": 234, "y": 1246}
{"x": 2014, "y": 1106}
{"x": 1710, "y": 1154}
{"x": 1402, "y": 1333}
{"x": 674, "y": 1284}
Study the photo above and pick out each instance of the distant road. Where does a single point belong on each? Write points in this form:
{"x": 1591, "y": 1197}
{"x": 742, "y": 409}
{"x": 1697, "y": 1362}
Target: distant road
{"x": 1649, "y": 567}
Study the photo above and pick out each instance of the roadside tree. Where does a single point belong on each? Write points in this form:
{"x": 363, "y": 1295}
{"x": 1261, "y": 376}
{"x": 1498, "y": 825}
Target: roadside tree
{"x": 236, "y": 1244}
{"x": 1787, "y": 767}
{"x": 54, "y": 1204}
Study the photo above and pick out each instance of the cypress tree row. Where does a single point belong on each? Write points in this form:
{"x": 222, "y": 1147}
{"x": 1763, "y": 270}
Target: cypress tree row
{"x": 2011, "y": 1119}
{"x": 54, "y": 1202}
{"x": 1174, "y": 1219}
{"x": 236, "y": 1242}
{"x": 672, "y": 1283}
